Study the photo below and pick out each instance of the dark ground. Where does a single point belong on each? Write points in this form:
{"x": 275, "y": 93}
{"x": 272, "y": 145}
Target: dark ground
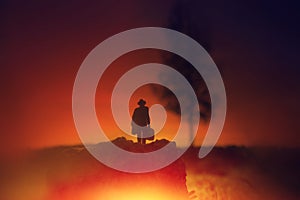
{"x": 70, "y": 172}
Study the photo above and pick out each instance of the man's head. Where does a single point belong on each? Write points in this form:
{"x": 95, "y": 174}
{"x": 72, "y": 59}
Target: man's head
{"x": 141, "y": 102}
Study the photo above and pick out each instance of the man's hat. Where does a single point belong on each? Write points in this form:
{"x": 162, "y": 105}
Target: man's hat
{"x": 141, "y": 102}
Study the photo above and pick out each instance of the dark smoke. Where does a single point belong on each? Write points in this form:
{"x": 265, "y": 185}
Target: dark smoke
{"x": 184, "y": 19}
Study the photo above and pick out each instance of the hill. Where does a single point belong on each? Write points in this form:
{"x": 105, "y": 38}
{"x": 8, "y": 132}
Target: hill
{"x": 70, "y": 172}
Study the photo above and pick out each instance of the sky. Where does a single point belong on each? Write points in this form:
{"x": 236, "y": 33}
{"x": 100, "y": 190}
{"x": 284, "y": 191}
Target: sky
{"x": 254, "y": 44}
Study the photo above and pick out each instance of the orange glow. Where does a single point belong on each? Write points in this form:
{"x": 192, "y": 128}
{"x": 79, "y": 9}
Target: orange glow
{"x": 149, "y": 193}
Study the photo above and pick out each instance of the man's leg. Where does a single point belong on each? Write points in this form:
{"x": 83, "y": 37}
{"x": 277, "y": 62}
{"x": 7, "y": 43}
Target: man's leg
{"x": 139, "y": 138}
{"x": 143, "y": 140}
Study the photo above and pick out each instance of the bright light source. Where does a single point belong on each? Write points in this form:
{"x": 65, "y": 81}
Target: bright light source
{"x": 149, "y": 193}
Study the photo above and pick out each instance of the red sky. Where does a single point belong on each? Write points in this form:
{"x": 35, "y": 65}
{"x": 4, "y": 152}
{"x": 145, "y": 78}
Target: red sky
{"x": 44, "y": 43}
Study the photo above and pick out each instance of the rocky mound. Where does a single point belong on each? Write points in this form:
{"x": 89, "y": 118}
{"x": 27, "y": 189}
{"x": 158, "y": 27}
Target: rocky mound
{"x": 72, "y": 173}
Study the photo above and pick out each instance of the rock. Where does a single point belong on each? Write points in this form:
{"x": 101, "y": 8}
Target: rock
{"x": 87, "y": 178}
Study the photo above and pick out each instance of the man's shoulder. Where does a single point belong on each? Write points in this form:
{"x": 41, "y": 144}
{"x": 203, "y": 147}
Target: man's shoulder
{"x": 141, "y": 108}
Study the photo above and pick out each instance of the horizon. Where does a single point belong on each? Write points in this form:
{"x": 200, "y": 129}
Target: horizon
{"x": 134, "y": 142}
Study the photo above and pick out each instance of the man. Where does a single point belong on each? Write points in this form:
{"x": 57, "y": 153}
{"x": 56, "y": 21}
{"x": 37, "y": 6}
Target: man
{"x": 140, "y": 120}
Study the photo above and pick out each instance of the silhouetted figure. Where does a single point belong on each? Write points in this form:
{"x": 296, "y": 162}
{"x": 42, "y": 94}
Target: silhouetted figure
{"x": 140, "y": 119}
